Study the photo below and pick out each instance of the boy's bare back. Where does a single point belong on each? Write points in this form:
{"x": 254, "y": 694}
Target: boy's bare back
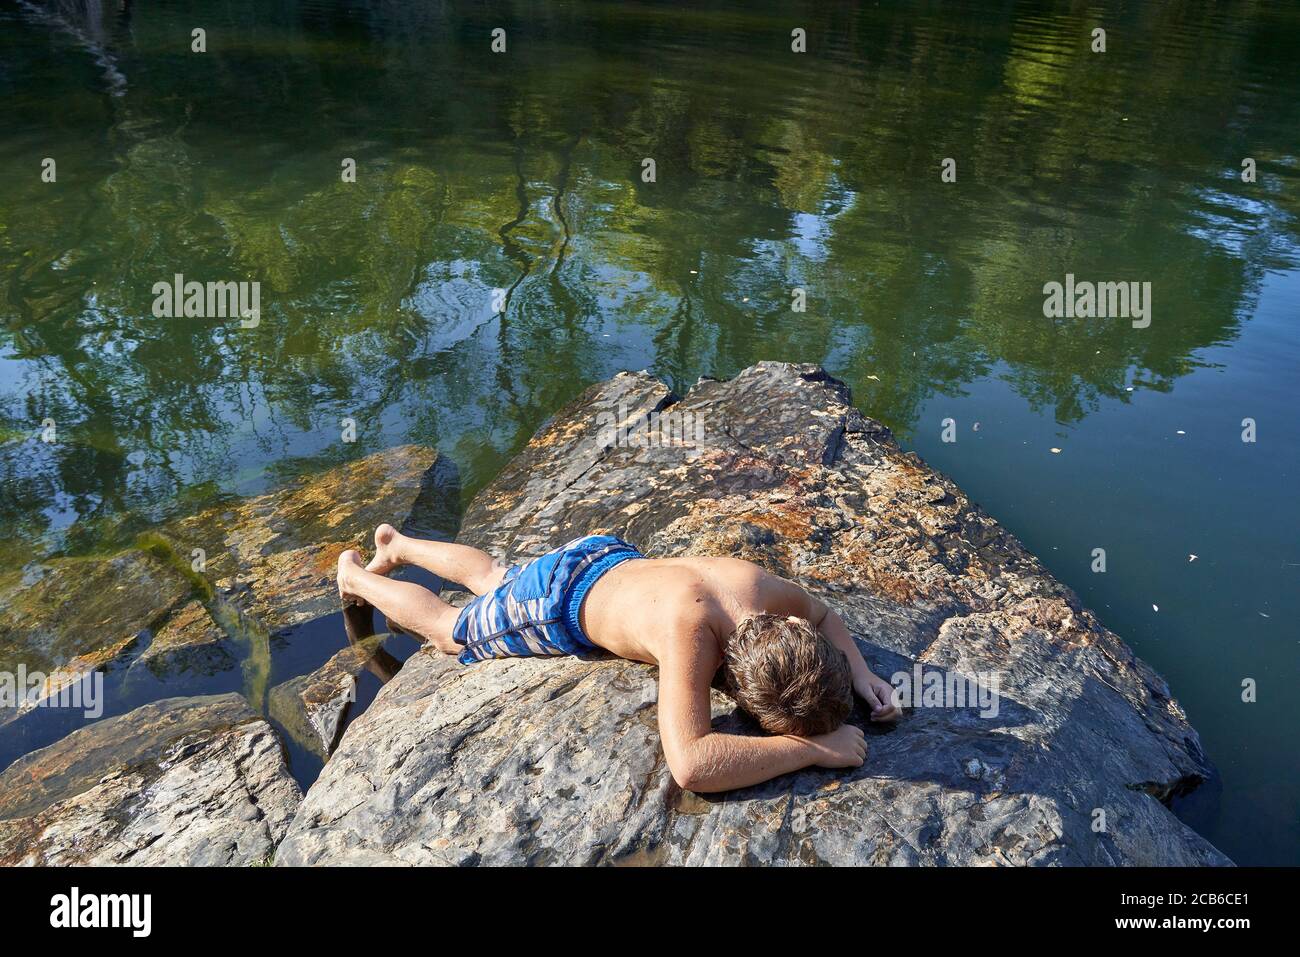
{"x": 639, "y": 608}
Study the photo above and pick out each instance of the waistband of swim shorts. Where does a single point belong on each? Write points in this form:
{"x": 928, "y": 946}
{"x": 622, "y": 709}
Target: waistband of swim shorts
{"x": 582, "y": 584}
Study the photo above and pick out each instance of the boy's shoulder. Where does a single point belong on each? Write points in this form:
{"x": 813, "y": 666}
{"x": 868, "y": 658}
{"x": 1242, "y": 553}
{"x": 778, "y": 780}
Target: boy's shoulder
{"x": 726, "y": 564}
{"x": 739, "y": 571}
{"x": 738, "y": 588}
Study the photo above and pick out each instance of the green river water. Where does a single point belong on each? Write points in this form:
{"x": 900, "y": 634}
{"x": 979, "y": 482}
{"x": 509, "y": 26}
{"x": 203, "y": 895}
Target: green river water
{"x": 774, "y": 170}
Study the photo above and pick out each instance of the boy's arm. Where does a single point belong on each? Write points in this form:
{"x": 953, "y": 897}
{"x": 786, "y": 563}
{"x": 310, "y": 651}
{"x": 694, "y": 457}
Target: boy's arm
{"x": 704, "y": 760}
{"x": 875, "y": 691}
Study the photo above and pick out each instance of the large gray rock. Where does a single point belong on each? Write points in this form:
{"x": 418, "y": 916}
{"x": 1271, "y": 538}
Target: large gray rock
{"x": 537, "y": 761}
{"x": 179, "y": 781}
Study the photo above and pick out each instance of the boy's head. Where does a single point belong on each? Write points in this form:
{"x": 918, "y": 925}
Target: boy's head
{"x": 788, "y": 675}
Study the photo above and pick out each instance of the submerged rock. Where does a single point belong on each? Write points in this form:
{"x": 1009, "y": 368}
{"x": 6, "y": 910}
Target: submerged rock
{"x": 73, "y": 612}
{"x": 65, "y": 619}
{"x": 313, "y": 707}
{"x": 198, "y": 780}
{"x": 273, "y": 557}
{"x": 179, "y": 781}
{"x": 190, "y": 643}
{"x": 536, "y": 761}
{"x": 199, "y": 586}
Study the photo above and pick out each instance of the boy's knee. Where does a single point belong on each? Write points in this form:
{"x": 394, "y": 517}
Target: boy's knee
{"x": 444, "y": 629}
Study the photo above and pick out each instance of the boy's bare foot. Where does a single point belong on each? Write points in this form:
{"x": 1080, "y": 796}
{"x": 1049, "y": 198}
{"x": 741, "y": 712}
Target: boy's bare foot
{"x": 349, "y": 565}
{"x": 385, "y": 559}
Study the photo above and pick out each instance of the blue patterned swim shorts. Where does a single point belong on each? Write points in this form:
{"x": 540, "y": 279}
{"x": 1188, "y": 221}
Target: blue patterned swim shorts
{"x": 534, "y": 611}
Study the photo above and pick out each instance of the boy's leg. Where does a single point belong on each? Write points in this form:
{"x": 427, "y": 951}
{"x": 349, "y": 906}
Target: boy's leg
{"x": 416, "y": 609}
{"x": 478, "y": 571}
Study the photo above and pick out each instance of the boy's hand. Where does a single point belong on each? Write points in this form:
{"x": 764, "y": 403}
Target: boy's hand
{"x": 845, "y": 747}
{"x": 879, "y": 696}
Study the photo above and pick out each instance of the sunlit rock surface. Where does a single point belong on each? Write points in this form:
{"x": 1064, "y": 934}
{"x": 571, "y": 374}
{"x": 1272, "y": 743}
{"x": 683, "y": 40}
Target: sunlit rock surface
{"x": 179, "y": 781}
{"x": 540, "y": 761}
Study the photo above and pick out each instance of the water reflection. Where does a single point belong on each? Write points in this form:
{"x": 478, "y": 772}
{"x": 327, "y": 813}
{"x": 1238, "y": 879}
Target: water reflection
{"x": 524, "y": 175}
{"x": 358, "y": 625}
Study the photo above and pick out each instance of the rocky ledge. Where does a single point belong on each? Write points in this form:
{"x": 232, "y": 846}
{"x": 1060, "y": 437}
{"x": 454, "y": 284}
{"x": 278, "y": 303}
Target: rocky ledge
{"x": 179, "y": 781}
{"x": 559, "y": 761}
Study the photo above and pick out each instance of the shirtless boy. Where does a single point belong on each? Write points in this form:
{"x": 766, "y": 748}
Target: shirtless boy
{"x": 790, "y": 662}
